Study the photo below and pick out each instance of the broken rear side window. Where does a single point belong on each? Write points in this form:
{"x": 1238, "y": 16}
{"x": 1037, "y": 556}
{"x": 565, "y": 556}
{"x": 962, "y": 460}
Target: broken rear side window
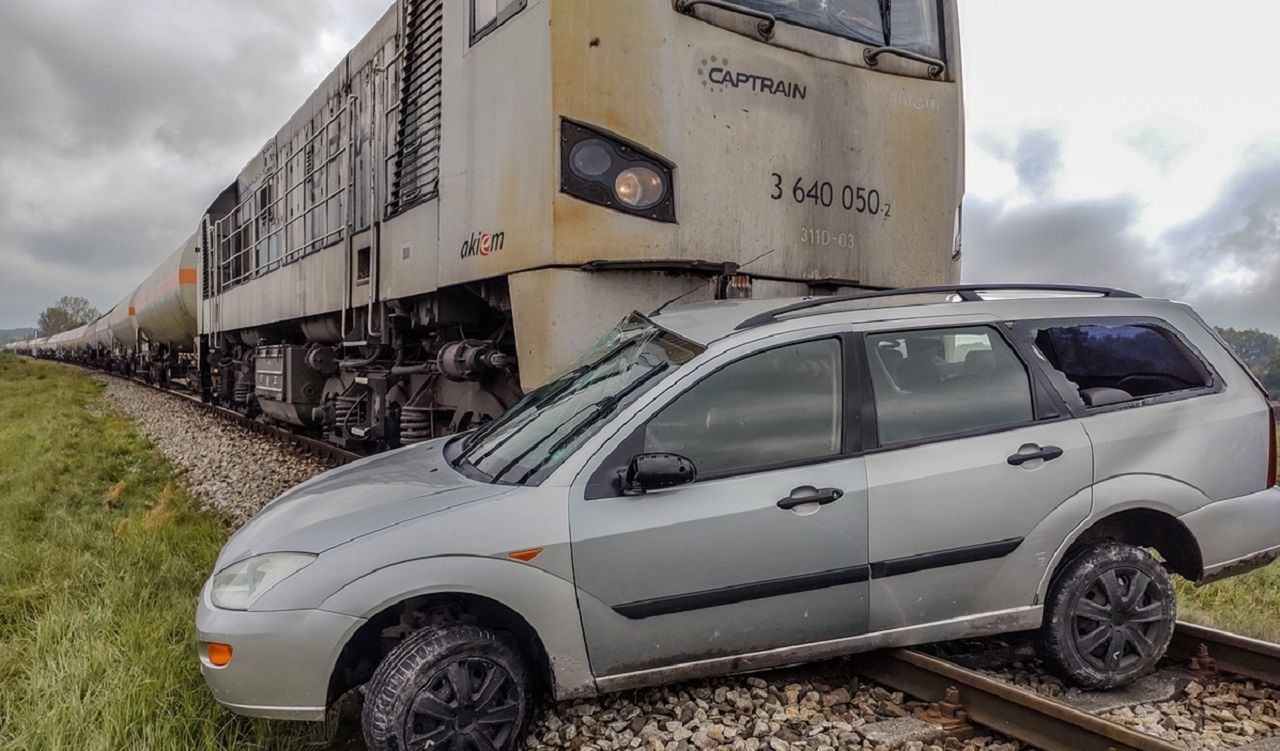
{"x": 1113, "y": 364}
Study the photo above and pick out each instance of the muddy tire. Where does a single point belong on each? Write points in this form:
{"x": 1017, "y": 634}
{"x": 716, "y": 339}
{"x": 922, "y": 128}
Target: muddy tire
{"x": 1109, "y": 616}
{"x": 452, "y": 686}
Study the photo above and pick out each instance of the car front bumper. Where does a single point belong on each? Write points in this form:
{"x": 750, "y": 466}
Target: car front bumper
{"x": 1237, "y": 534}
{"x": 281, "y": 661}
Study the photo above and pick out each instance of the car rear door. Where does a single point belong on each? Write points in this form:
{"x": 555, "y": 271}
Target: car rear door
{"x": 976, "y": 474}
{"x": 767, "y": 549}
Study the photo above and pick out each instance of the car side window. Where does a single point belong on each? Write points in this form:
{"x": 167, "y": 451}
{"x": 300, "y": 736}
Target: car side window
{"x": 1120, "y": 362}
{"x": 773, "y": 408}
{"x": 939, "y": 382}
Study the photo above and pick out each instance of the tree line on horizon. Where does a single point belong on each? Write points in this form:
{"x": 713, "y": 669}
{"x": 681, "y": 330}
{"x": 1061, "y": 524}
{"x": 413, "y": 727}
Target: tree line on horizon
{"x": 1261, "y": 352}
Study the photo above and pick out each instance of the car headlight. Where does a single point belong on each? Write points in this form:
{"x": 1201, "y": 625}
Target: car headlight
{"x": 604, "y": 170}
{"x": 239, "y": 585}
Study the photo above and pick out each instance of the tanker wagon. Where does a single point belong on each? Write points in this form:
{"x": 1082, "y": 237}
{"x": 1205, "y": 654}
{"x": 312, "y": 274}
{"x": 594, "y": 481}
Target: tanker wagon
{"x": 482, "y": 187}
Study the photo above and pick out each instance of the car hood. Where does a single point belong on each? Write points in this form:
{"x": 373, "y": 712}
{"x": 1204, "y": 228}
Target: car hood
{"x": 356, "y": 500}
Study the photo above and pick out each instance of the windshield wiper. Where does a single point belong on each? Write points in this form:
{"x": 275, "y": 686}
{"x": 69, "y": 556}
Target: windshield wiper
{"x": 568, "y": 380}
{"x": 600, "y": 409}
{"x": 767, "y": 20}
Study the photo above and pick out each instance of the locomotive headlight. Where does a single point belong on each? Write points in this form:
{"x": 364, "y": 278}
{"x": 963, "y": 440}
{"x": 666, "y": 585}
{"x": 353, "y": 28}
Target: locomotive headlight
{"x": 591, "y": 158}
{"x": 239, "y": 585}
{"x": 604, "y": 170}
{"x": 639, "y": 187}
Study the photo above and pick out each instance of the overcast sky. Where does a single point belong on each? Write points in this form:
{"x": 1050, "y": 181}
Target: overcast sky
{"x": 1110, "y": 142}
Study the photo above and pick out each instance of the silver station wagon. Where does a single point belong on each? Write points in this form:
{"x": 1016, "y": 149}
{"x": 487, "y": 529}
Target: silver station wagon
{"x": 740, "y": 485}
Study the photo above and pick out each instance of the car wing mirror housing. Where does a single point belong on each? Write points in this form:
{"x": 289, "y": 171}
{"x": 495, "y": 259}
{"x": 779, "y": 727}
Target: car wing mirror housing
{"x": 657, "y": 471}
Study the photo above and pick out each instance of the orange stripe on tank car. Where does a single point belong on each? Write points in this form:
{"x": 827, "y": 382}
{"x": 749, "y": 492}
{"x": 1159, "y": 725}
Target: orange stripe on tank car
{"x": 186, "y": 276}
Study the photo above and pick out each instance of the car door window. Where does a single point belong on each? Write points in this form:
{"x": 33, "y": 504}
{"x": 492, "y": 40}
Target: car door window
{"x": 939, "y": 382}
{"x": 771, "y": 409}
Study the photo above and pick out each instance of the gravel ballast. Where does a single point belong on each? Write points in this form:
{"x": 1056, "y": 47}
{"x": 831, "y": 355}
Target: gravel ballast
{"x": 820, "y": 707}
{"x": 230, "y": 470}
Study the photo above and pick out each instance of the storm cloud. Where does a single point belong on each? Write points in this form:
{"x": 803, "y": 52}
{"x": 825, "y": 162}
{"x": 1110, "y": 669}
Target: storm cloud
{"x": 1225, "y": 260}
{"x": 119, "y": 122}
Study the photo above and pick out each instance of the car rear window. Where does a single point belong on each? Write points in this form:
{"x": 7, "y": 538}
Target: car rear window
{"x": 1110, "y": 364}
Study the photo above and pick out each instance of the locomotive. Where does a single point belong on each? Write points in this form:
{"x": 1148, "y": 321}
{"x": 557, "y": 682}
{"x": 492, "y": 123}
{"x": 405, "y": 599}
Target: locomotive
{"x": 481, "y": 187}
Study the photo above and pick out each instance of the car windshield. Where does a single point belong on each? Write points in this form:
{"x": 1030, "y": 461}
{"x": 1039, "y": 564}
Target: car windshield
{"x": 532, "y": 439}
{"x": 909, "y": 24}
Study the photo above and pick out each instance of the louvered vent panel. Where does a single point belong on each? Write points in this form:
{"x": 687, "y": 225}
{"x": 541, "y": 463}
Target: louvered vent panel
{"x": 417, "y": 163}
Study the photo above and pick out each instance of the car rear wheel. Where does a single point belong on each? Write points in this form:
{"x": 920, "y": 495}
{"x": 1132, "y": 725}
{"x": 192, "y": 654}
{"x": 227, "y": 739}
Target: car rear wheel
{"x": 1109, "y": 616}
{"x": 449, "y": 687}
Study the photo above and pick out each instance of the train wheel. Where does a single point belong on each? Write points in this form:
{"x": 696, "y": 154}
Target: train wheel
{"x": 1109, "y": 616}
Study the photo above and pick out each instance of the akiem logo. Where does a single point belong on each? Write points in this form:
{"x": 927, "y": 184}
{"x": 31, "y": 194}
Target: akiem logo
{"x": 482, "y": 244}
{"x": 717, "y": 75}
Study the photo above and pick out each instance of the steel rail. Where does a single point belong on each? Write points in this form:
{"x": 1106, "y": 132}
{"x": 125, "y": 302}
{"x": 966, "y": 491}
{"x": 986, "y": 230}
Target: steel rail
{"x": 1007, "y": 709}
{"x": 1050, "y": 724}
{"x": 1229, "y": 652}
{"x": 305, "y": 444}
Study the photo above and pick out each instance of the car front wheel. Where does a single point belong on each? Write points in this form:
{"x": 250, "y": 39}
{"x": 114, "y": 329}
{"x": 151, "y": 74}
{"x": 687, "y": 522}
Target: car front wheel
{"x": 1109, "y": 616}
{"x": 449, "y": 687}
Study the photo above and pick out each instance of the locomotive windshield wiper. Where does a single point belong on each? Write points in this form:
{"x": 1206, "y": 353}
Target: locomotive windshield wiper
{"x": 767, "y": 20}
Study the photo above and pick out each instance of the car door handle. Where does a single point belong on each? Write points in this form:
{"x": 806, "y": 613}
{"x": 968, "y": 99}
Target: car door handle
{"x": 809, "y": 494}
{"x": 1048, "y": 453}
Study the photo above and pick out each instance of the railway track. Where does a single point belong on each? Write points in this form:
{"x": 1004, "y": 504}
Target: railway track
{"x": 961, "y": 695}
{"x": 320, "y": 449}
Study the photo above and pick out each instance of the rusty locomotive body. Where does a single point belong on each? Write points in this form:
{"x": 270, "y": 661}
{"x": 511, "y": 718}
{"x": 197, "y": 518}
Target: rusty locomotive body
{"x": 483, "y": 186}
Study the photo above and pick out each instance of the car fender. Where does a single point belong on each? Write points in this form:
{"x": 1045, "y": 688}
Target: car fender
{"x": 1123, "y": 493}
{"x": 548, "y": 603}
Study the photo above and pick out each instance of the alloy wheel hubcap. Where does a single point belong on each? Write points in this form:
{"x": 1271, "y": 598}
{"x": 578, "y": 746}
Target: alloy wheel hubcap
{"x": 471, "y": 704}
{"x": 1116, "y": 623}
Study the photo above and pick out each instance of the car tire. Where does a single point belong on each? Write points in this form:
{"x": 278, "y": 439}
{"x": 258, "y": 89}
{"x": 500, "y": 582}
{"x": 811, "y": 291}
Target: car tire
{"x": 449, "y": 683}
{"x": 1109, "y": 616}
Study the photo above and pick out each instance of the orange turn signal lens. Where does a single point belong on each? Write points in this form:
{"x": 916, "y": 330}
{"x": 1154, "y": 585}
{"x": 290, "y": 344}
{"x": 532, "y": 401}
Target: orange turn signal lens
{"x": 219, "y": 655}
{"x": 526, "y": 555}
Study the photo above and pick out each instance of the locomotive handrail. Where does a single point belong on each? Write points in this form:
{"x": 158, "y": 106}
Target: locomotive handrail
{"x": 767, "y": 20}
{"x": 936, "y": 67}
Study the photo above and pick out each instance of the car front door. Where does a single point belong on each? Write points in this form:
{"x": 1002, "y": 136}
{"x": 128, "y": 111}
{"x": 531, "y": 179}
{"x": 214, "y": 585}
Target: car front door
{"x": 768, "y": 548}
{"x": 976, "y": 475}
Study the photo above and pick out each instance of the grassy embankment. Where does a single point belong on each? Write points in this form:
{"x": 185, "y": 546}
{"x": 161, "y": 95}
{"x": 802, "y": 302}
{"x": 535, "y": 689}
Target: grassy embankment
{"x": 101, "y": 558}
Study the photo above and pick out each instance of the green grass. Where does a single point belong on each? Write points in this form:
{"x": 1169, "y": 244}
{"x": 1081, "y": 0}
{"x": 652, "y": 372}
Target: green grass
{"x": 101, "y": 558}
{"x": 1248, "y": 604}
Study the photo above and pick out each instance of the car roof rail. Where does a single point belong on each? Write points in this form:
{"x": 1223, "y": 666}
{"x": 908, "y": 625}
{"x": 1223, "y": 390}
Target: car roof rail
{"x": 966, "y": 293}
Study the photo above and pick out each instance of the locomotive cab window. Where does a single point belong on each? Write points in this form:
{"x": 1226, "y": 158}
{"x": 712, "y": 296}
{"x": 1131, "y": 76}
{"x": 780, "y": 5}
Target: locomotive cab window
{"x": 1114, "y": 364}
{"x": 914, "y": 25}
{"x": 487, "y": 15}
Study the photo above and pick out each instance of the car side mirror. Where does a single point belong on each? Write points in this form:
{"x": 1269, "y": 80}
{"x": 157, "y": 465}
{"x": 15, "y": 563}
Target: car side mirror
{"x": 657, "y": 471}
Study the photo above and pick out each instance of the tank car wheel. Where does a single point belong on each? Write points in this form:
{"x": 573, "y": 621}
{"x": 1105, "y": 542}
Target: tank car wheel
{"x": 449, "y": 687}
{"x": 1109, "y": 616}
